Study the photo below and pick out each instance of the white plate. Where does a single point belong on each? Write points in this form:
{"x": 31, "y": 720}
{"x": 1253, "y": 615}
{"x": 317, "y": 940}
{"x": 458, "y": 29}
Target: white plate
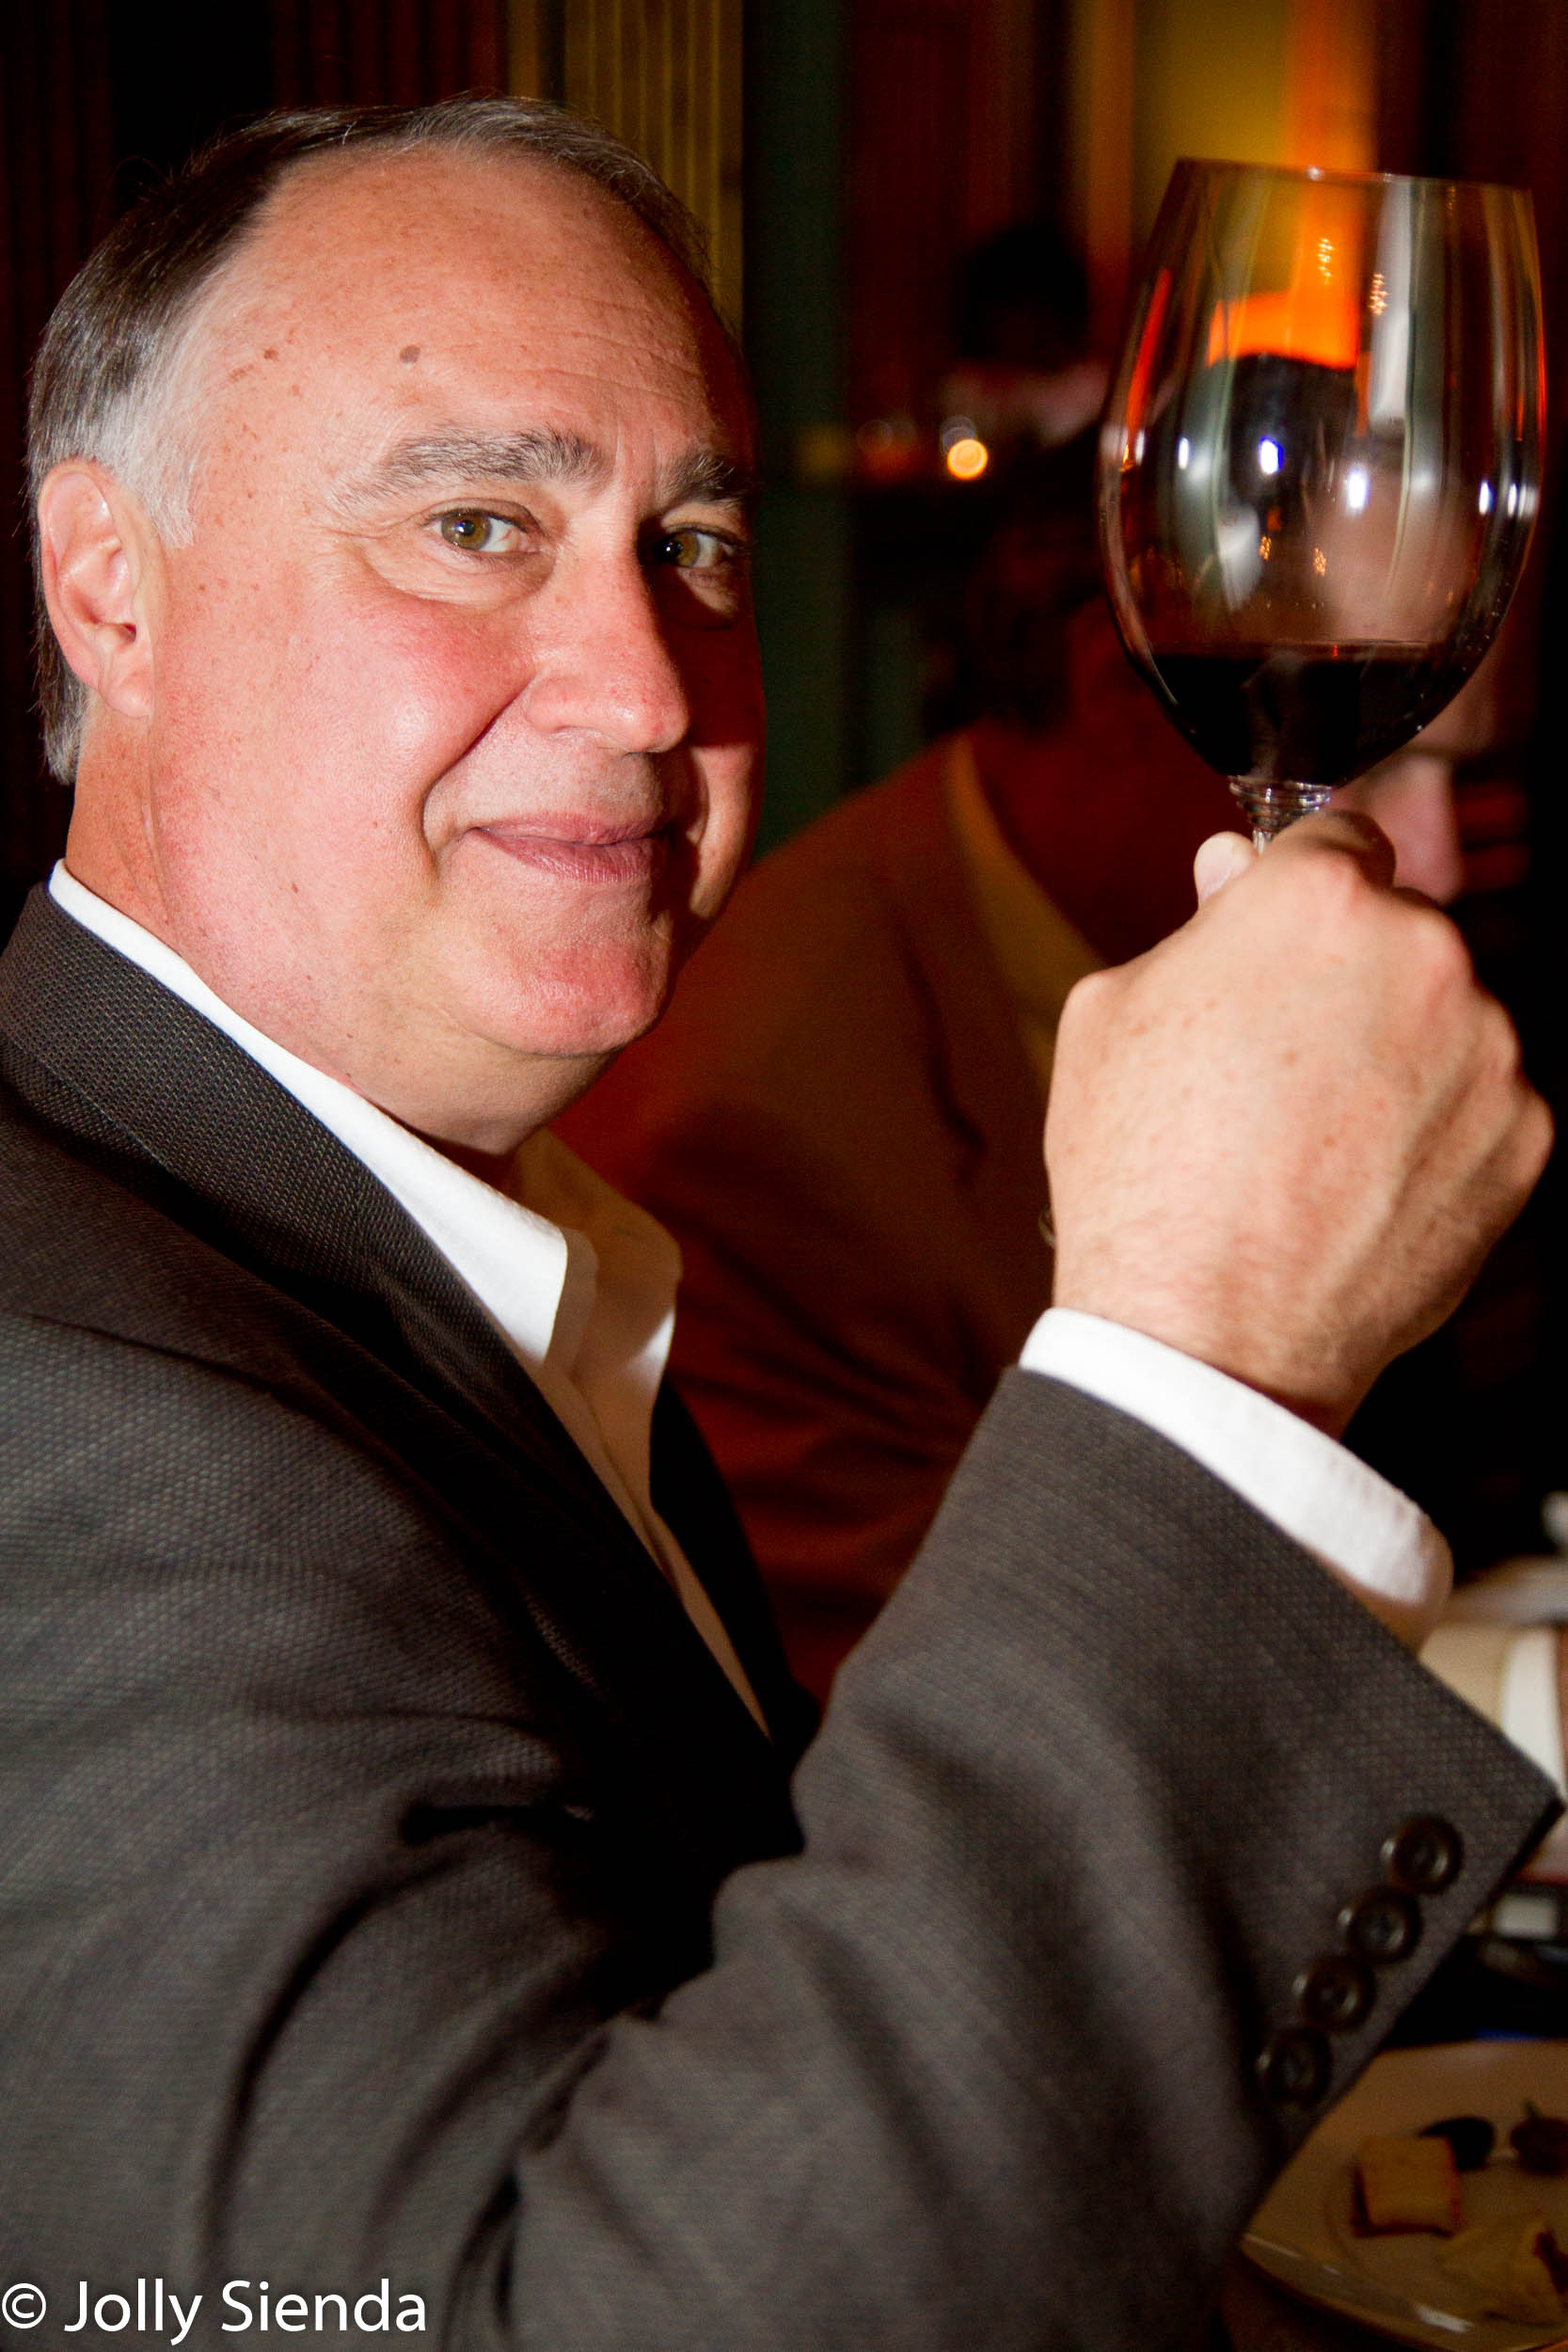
{"x": 1300, "y": 2234}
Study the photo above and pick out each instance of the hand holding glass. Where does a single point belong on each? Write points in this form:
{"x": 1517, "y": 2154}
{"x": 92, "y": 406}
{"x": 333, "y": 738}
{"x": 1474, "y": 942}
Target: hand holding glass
{"x": 1320, "y": 465}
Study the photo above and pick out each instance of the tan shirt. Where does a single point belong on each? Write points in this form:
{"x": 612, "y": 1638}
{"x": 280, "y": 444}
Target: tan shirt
{"x": 1040, "y": 956}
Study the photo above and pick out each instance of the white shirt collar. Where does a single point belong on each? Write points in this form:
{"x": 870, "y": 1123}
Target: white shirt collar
{"x": 578, "y": 1282}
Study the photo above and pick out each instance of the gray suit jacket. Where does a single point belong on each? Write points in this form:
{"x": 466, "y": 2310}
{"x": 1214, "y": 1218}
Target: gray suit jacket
{"x": 392, "y": 1887}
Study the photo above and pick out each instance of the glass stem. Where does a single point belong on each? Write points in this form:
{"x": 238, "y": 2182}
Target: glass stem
{"x": 1271, "y": 807}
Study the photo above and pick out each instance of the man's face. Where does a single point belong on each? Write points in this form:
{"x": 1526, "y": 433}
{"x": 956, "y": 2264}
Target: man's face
{"x": 456, "y": 704}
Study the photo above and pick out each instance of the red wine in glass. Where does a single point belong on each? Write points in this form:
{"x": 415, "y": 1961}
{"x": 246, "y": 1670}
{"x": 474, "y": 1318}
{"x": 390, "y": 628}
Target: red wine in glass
{"x": 1271, "y": 714}
{"x": 1320, "y": 465}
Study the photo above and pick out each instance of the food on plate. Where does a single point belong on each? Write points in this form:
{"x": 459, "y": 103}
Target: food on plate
{"x": 1407, "y": 2182}
{"x": 1515, "y": 2263}
{"x": 1471, "y": 2138}
{"x": 1541, "y": 2141}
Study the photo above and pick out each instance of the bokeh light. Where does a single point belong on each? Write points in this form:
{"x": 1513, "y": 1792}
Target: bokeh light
{"x": 967, "y": 459}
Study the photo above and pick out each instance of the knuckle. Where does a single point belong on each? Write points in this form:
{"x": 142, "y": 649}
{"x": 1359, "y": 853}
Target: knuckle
{"x": 1446, "y": 945}
{"x": 1342, "y": 899}
{"x": 1438, "y": 938}
{"x": 1440, "y": 965}
{"x": 1088, "y": 1001}
{"x": 1539, "y": 1135}
{"x": 1507, "y": 1050}
{"x": 1502, "y": 1055}
{"x": 1339, "y": 882}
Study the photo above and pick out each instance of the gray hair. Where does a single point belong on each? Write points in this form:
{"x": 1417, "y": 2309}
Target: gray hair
{"x": 111, "y": 375}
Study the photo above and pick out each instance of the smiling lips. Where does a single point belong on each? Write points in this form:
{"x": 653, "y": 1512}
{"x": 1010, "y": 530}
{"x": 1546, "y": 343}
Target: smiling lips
{"x": 581, "y": 850}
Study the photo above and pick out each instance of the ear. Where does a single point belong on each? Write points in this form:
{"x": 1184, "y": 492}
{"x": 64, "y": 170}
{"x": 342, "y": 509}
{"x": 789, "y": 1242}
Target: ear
{"x": 99, "y": 560}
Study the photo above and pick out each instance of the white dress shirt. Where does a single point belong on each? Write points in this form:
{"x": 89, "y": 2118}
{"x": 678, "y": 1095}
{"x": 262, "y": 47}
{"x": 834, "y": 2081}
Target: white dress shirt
{"x": 580, "y": 1284}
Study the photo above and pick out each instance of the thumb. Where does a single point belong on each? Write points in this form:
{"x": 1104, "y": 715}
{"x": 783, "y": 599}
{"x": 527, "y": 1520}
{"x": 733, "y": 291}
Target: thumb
{"x": 1219, "y": 860}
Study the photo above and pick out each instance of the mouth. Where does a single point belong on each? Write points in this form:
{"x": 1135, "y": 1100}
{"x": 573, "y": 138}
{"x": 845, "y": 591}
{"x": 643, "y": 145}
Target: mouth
{"x": 583, "y": 850}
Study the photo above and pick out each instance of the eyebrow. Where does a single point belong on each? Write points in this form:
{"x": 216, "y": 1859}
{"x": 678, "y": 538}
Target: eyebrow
{"x": 706, "y": 479}
{"x": 542, "y": 454}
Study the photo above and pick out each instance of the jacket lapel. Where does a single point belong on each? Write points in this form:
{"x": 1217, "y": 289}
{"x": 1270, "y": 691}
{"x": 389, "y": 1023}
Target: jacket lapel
{"x": 170, "y": 1109}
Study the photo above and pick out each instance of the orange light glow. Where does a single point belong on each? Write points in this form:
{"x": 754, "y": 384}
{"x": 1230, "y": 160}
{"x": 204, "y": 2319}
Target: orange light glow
{"x": 1316, "y": 314}
{"x": 1142, "y": 364}
{"x": 1308, "y": 322}
{"x": 967, "y": 460}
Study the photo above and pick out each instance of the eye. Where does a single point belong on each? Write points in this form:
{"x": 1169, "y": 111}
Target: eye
{"x": 696, "y": 550}
{"x": 475, "y": 532}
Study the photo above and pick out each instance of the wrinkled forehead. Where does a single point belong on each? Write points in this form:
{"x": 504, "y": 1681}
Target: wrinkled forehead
{"x": 401, "y": 271}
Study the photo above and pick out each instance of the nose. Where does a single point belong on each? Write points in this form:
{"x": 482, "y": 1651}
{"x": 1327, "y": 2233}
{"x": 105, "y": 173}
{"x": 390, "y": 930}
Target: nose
{"x": 604, "y": 664}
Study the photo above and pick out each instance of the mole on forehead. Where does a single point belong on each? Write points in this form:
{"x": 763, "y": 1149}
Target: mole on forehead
{"x": 341, "y": 220}
{"x": 565, "y": 302}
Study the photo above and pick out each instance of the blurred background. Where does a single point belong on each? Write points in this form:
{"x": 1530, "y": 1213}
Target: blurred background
{"x": 922, "y": 214}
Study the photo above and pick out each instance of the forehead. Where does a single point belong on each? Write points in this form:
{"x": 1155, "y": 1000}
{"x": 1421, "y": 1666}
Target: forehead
{"x": 382, "y": 290}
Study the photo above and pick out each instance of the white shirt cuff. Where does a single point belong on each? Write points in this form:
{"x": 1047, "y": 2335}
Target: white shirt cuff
{"x": 1369, "y": 1535}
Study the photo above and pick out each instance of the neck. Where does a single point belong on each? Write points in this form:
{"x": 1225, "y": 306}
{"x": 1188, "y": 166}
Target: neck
{"x": 109, "y": 845}
{"x": 1017, "y": 773}
{"x": 480, "y": 1128}
{"x": 492, "y": 1167}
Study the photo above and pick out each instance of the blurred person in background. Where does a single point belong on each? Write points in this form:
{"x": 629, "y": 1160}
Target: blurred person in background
{"x": 839, "y": 1119}
{"x": 1025, "y": 374}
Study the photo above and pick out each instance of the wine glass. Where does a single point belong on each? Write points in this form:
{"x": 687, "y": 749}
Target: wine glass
{"x": 1320, "y": 465}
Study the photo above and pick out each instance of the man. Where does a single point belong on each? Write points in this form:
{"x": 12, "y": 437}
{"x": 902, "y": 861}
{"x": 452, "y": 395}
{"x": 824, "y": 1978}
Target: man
{"x": 402, "y": 1877}
{"x": 840, "y": 1118}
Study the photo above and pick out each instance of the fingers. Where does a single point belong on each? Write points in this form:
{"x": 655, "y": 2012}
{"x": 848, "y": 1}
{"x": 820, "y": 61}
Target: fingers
{"x": 1534, "y": 1134}
{"x": 1283, "y": 1139}
{"x": 1219, "y": 860}
{"x": 1345, "y": 829}
{"x": 1226, "y": 855}
{"x": 1501, "y": 1179}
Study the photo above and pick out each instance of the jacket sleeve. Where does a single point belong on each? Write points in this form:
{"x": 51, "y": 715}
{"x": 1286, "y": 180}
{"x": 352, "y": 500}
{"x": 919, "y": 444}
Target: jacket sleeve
{"x": 332, "y": 1954}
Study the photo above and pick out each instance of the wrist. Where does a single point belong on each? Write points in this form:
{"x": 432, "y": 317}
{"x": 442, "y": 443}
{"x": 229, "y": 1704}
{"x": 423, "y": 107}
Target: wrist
{"x": 1218, "y": 1325}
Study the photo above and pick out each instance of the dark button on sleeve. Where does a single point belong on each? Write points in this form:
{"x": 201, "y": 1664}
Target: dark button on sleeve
{"x": 1425, "y": 1855}
{"x": 1336, "y": 1992}
{"x": 1382, "y": 1927}
{"x": 1293, "y": 2067}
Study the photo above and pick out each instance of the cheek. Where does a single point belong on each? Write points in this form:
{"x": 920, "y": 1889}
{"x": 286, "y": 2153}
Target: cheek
{"x": 396, "y": 689}
{"x": 359, "y": 699}
{"x": 730, "y": 776}
{"x": 723, "y": 677}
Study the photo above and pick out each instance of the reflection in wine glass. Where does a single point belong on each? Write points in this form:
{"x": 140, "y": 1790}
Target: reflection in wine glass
{"x": 1320, "y": 464}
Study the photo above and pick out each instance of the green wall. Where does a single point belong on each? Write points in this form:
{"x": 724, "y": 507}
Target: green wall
{"x": 794, "y": 130}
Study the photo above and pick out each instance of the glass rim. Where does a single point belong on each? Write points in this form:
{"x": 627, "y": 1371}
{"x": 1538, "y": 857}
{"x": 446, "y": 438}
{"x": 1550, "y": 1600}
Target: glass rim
{"x": 1320, "y": 172}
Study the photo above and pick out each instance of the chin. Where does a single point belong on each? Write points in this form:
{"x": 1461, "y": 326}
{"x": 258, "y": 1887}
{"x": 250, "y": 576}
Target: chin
{"x": 582, "y": 1008}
